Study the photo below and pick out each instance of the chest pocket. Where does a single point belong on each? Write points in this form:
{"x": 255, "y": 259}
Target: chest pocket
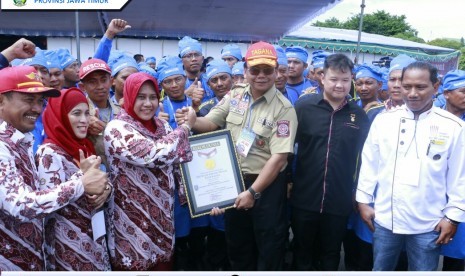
{"x": 263, "y": 136}
{"x": 234, "y": 119}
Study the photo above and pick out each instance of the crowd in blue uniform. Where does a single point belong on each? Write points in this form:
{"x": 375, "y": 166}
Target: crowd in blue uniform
{"x": 324, "y": 170}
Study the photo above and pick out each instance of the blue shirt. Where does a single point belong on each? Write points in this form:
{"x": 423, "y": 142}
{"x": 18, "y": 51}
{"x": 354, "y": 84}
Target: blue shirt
{"x": 291, "y": 94}
{"x": 301, "y": 86}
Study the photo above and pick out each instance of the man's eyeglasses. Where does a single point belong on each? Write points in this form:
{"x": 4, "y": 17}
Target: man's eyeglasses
{"x": 256, "y": 70}
{"x": 176, "y": 80}
{"x": 192, "y": 55}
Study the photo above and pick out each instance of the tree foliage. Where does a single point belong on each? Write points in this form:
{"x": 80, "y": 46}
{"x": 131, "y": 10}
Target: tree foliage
{"x": 446, "y": 43}
{"x": 380, "y": 22}
{"x": 462, "y": 59}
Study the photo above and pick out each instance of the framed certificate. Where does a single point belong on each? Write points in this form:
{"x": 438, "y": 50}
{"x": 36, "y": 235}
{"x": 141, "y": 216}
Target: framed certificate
{"x": 213, "y": 178}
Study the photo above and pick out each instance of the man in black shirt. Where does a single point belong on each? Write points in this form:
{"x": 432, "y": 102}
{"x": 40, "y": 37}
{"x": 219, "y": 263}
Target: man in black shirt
{"x": 330, "y": 136}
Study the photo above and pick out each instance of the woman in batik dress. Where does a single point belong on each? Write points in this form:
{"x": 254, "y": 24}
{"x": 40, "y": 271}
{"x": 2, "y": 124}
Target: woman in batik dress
{"x": 69, "y": 243}
{"x": 143, "y": 152}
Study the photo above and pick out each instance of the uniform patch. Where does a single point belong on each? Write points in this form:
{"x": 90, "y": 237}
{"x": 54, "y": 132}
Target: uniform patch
{"x": 283, "y": 128}
{"x": 243, "y": 104}
{"x": 234, "y": 102}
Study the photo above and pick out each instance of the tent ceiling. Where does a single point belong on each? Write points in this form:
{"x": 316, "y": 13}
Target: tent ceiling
{"x": 239, "y": 20}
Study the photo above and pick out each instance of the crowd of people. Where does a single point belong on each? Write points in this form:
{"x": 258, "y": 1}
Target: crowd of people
{"x": 333, "y": 155}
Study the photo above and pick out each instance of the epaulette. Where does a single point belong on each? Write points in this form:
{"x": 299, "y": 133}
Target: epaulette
{"x": 305, "y": 92}
{"x": 211, "y": 101}
{"x": 284, "y": 100}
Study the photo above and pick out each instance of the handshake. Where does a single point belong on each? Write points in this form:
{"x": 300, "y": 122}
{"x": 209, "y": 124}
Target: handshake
{"x": 186, "y": 117}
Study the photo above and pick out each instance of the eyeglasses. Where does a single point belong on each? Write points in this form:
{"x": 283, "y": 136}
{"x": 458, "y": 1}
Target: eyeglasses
{"x": 192, "y": 55}
{"x": 176, "y": 80}
{"x": 223, "y": 78}
{"x": 256, "y": 70}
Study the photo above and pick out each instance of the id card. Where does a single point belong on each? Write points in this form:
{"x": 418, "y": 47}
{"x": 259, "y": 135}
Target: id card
{"x": 98, "y": 225}
{"x": 245, "y": 142}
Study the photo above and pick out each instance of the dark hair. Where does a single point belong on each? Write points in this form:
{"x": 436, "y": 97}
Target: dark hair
{"x": 338, "y": 61}
{"x": 425, "y": 66}
{"x": 139, "y": 58}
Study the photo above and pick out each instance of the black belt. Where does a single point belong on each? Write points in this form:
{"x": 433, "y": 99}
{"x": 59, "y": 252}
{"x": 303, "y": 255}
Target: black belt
{"x": 249, "y": 177}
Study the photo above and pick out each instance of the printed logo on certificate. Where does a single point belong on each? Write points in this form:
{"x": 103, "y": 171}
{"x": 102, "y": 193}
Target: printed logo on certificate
{"x": 213, "y": 178}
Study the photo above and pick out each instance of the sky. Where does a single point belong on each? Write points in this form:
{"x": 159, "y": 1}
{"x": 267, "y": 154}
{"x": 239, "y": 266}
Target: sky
{"x": 431, "y": 18}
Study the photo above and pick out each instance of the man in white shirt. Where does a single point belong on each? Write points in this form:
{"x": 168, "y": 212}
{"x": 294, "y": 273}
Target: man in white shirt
{"x": 413, "y": 170}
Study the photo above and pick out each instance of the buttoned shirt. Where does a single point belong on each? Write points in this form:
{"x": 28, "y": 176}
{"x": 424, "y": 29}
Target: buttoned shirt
{"x": 271, "y": 117}
{"x": 416, "y": 168}
{"x": 22, "y": 204}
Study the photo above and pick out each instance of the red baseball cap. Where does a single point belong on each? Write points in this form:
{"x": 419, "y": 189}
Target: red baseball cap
{"x": 24, "y": 79}
{"x": 92, "y": 65}
{"x": 261, "y": 53}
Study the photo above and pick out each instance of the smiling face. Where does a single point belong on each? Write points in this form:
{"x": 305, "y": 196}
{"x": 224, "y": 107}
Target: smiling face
{"x": 337, "y": 85}
{"x": 79, "y": 120}
{"x": 418, "y": 90}
{"x": 261, "y": 78}
{"x": 146, "y": 103}
{"x": 21, "y": 110}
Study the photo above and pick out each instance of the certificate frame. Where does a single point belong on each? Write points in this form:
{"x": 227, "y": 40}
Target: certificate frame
{"x": 214, "y": 173}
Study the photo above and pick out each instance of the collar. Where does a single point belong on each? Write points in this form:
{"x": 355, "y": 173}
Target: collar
{"x": 7, "y": 130}
{"x": 269, "y": 94}
{"x": 421, "y": 116}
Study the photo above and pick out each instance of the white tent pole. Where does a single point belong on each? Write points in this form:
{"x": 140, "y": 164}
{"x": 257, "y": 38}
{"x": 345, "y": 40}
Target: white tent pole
{"x": 78, "y": 42}
{"x": 360, "y": 26}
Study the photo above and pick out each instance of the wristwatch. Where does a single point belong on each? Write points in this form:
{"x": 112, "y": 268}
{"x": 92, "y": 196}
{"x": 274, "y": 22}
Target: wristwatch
{"x": 255, "y": 195}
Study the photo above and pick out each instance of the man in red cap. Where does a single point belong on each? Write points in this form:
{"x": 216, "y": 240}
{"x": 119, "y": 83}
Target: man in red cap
{"x": 263, "y": 124}
{"x": 95, "y": 75}
{"x": 23, "y": 205}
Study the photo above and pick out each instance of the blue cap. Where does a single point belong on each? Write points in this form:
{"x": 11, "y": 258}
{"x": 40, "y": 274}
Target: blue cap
{"x": 305, "y": 73}
{"x": 385, "y": 76}
{"x": 238, "y": 68}
{"x": 282, "y": 58}
{"x": 187, "y": 45}
{"x": 38, "y": 59}
{"x": 151, "y": 59}
{"x": 367, "y": 71}
{"x": 297, "y": 52}
{"x": 318, "y": 58}
{"x": 119, "y": 60}
{"x": 232, "y": 50}
{"x": 65, "y": 57}
{"x": 453, "y": 80}
{"x": 144, "y": 67}
{"x": 217, "y": 66}
{"x": 52, "y": 59}
{"x": 169, "y": 66}
{"x": 400, "y": 62}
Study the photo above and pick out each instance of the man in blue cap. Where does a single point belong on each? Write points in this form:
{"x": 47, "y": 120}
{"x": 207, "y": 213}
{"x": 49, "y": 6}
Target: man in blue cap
{"x": 454, "y": 94}
{"x": 394, "y": 86}
{"x": 57, "y": 79}
{"x": 39, "y": 62}
{"x": 152, "y": 62}
{"x": 413, "y": 167}
{"x": 219, "y": 76}
{"x": 297, "y": 62}
{"x": 231, "y": 54}
{"x": 318, "y": 61}
{"x": 282, "y": 76}
{"x": 70, "y": 67}
{"x": 122, "y": 66}
{"x": 238, "y": 73}
{"x": 368, "y": 82}
{"x": 190, "y": 51}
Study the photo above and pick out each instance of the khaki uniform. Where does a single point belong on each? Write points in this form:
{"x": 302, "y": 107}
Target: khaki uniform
{"x": 271, "y": 117}
{"x": 97, "y": 140}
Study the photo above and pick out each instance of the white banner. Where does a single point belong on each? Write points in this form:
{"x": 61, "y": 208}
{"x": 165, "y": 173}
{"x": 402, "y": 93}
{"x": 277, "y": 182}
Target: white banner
{"x": 19, "y": 5}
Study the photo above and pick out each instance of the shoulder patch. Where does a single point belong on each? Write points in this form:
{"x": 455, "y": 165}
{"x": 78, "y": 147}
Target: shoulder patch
{"x": 283, "y": 129}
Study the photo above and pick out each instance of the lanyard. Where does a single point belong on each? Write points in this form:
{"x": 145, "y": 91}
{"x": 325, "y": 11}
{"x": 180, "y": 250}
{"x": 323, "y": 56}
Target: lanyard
{"x": 187, "y": 102}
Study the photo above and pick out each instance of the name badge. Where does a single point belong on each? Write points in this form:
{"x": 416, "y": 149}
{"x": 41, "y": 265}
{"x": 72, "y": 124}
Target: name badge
{"x": 245, "y": 142}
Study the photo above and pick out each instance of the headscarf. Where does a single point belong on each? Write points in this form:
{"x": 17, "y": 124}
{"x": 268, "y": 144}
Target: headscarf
{"x": 57, "y": 125}
{"x": 132, "y": 86}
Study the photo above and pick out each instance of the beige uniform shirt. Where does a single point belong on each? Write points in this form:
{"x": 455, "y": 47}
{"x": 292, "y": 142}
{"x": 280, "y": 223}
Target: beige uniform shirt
{"x": 97, "y": 140}
{"x": 271, "y": 117}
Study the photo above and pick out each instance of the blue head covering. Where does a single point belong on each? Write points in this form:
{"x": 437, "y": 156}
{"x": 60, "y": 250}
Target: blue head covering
{"x": 367, "y": 71}
{"x": 187, "y": 45}
{"x": 305, "y": 73}
{"x": 297, "y": 52}
{"x": 119, "y": 60}
{"x": 169, "y": 66}
{"x": 65, "y": 57}
{"x": 217, "y": 66}
{"x": 38, "y": 59}
{"x": 231, "y": 50}
{"x": 144, "y": 67}
{"x": 282, "y": 58}
{"x": 238, "y": 68}
{"x": 151, "y": 59}
{"x": 385, "y": 76}
{"x": 400, "y": 62}
{"x": 52, "y": 59}
{"x": 453, "y": 80}
{"x": 318, "y": 58}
